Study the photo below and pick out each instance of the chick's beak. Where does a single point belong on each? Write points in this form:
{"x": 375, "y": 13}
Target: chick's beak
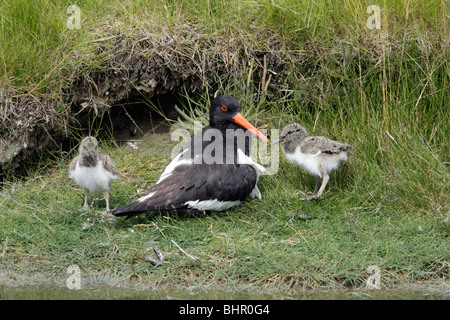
{"x": 93, "y": 155}
{"x": 280, "y": 139}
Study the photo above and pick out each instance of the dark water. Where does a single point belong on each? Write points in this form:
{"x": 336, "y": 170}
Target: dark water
{"x": 39, "y": 292}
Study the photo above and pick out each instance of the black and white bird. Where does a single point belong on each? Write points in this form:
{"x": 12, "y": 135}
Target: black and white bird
{"x": 92, "y": 170}
{"x": 212, "y": 172}
{"x": 318, "y": 155}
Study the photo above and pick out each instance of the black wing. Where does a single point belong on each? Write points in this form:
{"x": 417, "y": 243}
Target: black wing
{"x": 185, "y": 180}
{"x": 191, "y": 182}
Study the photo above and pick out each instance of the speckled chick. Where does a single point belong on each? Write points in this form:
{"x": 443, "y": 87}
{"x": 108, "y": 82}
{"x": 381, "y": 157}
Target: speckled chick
{"x": 92, "y": 170}
{"x": 318, "y": 155}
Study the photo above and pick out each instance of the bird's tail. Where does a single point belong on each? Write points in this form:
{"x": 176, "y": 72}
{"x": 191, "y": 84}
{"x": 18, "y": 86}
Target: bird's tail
{"x": 137, "y": 207}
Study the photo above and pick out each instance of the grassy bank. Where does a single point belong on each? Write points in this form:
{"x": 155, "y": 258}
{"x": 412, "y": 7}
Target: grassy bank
{"x": 40, "y": 55}
{"x": 386, "y": 92}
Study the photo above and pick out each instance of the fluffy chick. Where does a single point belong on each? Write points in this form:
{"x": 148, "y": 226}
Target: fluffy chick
{"x": 92, "y": 170}
{"x": 318, "y": 155}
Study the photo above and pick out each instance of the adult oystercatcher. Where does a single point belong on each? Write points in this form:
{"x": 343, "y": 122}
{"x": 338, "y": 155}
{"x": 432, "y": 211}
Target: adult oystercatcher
{"x": 92, "y": 170}
{"x": 213, "y": 171}
{"x": 318, "y": 155}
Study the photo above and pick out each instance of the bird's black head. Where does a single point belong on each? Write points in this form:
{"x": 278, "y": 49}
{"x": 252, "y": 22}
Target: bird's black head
{"x": 225, "y": 113}
{"x": 223, "y": 109}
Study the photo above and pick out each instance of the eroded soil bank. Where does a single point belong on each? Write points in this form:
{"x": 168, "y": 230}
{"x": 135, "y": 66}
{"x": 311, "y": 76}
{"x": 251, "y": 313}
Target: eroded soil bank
{"x": 140, "y": 67}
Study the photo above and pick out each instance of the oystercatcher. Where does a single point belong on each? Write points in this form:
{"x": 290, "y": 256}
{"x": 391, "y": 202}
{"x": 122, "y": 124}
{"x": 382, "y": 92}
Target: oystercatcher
{"x": 318, "y": 155}
{"x": 213, "y": 171}
{"x": 92, "y": 170}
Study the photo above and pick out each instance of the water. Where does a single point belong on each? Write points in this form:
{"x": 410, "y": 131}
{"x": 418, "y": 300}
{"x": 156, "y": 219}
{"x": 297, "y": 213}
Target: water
{"x": 41, "y": 292}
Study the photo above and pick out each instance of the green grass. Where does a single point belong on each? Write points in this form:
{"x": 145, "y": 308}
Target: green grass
{"x": 383, "y": 91}
{"x": 261, "y": 244}
{"x": 40, "y": 55}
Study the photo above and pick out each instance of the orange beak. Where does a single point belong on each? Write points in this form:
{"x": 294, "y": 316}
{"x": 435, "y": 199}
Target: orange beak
{"x": 240, "y": 120}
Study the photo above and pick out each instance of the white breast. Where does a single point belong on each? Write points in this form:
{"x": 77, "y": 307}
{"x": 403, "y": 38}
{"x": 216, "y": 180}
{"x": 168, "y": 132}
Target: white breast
{"x": 92, "y": 178}
{"x": 309, "y": 162}
{"x": 243, "y": 159}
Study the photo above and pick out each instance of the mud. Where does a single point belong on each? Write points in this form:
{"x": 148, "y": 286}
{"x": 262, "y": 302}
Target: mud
{"x": 39, "y": 287}
{"x": 29, "y": 125}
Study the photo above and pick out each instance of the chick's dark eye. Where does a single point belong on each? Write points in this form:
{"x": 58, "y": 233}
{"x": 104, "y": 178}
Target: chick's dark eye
{"x": 224, "y": 108}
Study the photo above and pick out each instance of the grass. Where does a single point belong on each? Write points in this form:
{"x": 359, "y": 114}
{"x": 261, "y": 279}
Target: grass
{"x": 261, "y": 244}
{"x": 383, "y": 91}
{"x": 371, "y": 215}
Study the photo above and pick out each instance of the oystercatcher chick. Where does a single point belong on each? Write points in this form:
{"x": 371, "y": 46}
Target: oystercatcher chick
{"x": 212, "y": 172}
{"x": 318, "y": 155}
{"x": 92, "y": 170}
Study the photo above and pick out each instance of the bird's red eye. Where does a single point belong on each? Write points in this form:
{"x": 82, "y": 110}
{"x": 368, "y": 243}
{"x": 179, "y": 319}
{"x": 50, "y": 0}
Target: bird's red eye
{"x": 224, "y": 108}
